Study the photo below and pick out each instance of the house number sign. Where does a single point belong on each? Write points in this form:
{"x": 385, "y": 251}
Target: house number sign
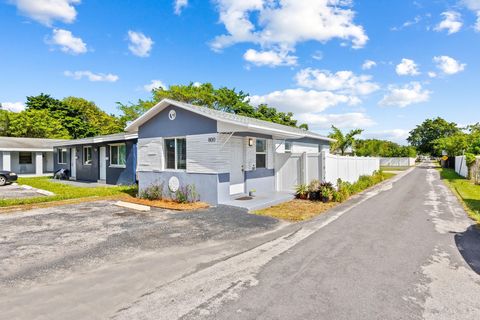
{"x": 172, "y": 115}
{"x": 173, "y": 184}
{"x": 212, "y": 139}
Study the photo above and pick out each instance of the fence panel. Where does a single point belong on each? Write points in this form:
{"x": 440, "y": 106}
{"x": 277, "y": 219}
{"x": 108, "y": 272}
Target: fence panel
{"x": 397, "y": 162}
{"x": 288, "y": 171}
{"x": 349, "y": 168}
{"x": 314, "y": 167}
{"x": 461, "y": 166}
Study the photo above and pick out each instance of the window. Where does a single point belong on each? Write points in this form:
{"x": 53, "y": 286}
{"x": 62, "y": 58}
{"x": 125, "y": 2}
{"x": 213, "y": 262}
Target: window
{"x": 288, "y": 146}
{"x": 87, "y": 155}
{"x": 118, "y": 155}
{"x": 261, "y": 153}
{"x": 176, "y": 153}
{"x": 62, "y": 156}
{"x": 25, "y": 157}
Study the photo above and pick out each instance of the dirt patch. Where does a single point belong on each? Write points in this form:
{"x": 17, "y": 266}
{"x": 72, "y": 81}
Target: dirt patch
{"x": 168, "y": 204}
{"x": 297, "y": 210}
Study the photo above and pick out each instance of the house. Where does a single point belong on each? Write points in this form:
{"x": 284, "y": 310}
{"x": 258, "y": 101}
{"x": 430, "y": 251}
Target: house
{"x": 221, "y": 153}
{"x": 109, "y": 159}
{"x": 31, "y": 156}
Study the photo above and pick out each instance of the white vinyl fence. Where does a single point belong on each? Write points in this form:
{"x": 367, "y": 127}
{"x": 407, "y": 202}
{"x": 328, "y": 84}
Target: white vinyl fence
{"x": 397, "y": 162}
{"x": 461, "y": 166}
{"x": 292, "y": 169}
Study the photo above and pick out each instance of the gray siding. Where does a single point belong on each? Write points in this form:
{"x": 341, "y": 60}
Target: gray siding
{"x": 127, "y": 175}
{"x": 56, "y": 165}
{"x": 262, "y": 180}
{"x": 205, "y": 184}
{"x": 185, "y": 123}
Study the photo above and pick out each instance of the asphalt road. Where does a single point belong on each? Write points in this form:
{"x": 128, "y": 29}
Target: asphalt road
{"x": 405, "y": 250}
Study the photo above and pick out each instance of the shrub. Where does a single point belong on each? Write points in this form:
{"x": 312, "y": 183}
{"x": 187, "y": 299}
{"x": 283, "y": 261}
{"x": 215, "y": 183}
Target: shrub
{"x": 301, "y": 191}
{"x": 187, "y": 194}
{"x": 154, "y": 192}
{"x": 314, "y": 190}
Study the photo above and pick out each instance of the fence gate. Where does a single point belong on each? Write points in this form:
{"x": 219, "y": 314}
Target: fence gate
{"x": 288, "y": 169}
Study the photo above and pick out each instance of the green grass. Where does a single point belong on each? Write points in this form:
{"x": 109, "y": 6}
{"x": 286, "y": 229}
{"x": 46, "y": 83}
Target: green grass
{"x": 465, "y": 189}
{"x": 394, "y": 168}
{"x": 65, "y": 192}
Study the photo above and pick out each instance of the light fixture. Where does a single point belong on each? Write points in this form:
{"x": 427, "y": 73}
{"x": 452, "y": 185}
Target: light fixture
{"x": 250, "y": 142}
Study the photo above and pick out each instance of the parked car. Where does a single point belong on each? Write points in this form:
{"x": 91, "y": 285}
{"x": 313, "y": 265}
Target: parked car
{"x": 7, "y": 177}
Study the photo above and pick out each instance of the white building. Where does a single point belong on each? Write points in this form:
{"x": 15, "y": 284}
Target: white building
{"x": 27, "y": 155}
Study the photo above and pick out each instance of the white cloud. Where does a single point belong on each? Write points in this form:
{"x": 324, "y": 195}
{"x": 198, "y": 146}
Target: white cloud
{"x": 48, "y": 11}
{"x": 140, "y": 45}
{"x": 473, "y": 5}
{"x": 154, "y": 84}
{"x": 407, "y": 67}
{"x": 408, "y": 23}
{"x": 179, "y": 5}
{"x": 449, "y": 65}
{"x": 94, "y": 77}
{"x": 281, "y": 25}
{"x": 452, "y": 22}
{"x": 67, "y": 41}
{"x": 13, "y": 106}
{"x": 432, "y": 74}
{"x": 318, "y": 55}
{"x": 342, "y": 81}
{"x": 301, "y": 101}
{"x": 406, "y": 95}
{"x": 341, "y": 120}
{"x": 395, "y": 135}
{"x": 368, "y": 64}
{"x": 269, "y": 58}
{"x": 477, "y": 23}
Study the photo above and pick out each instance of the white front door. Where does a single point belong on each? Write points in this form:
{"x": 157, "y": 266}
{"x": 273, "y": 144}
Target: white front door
{"x": 103, "y": 163}
{"x": 73, "y": 161}
{"x": 237, "y": 177}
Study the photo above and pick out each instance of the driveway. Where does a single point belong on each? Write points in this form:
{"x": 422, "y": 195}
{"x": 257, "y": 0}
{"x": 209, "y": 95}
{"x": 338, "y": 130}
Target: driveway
{"x": 14, "y": 191}
{"x": 404, "y": 250}
{"x": 87, "y": 260}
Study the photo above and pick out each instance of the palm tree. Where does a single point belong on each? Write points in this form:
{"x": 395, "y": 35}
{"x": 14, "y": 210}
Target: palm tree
{"x": 343, "y": 141}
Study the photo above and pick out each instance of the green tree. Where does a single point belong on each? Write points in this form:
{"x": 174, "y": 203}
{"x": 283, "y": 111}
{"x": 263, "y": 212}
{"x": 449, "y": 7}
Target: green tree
{"x": 100, "y": 123}
{"x": 383, "y": 148}
{"x": 343, "y": 141}
{"x": 424, "y": 135}
{"x": 35, "y": 124}
{"x": 222, "y": 99}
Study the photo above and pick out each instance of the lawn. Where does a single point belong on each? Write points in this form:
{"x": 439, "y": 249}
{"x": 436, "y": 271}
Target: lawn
{"x": 465, "y": 189}
{"x": 394, "y": 168}
{"x": 66, "y": 192}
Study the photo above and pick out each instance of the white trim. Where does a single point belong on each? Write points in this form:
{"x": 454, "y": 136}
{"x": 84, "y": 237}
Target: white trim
{"x": 110, "y": 155}
{"x": 165, "y": 154}
{"x": 83, "y": 156}
{"x": 27, "y": 149}
{"x": 61, "y": 151}
{"x": 99, "y": 139}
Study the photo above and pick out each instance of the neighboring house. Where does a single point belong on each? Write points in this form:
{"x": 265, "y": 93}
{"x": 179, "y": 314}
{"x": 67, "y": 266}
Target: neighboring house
{"x": 27, "y": 155}
{"x": 109, "y": 159}
{"x": 221, "y": 153}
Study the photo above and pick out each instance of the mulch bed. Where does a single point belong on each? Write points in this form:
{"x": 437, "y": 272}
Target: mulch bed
{"x": 169, "y": 204}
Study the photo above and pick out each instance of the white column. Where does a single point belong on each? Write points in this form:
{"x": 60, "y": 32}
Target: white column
{"x": 38, "y": 163}
{"x": 7, "y": 162}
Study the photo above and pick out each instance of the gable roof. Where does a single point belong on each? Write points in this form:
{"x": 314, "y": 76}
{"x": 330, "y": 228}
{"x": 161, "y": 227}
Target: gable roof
{"x": 98, "y": 139}
{"x": 246, "y": 123}
{"x": 27, "y": 144}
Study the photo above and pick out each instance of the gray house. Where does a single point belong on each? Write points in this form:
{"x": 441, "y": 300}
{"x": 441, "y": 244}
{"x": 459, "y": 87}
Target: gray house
{"x": 28, "y": 156}
{"x": 109, "y": 159}
{"x": 224, "y": 155}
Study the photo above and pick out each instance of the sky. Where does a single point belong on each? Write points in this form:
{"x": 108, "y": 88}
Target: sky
{"x": 380, "y": 65}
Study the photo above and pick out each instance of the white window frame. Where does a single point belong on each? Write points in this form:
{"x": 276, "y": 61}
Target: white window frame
{"x": 60, "y": 155}
{"x": 110, "y": 155}
{"x": 289, "y": 150}
{"x": 83, "y": 156}
{"x": 165, "y": 153}
{"x": 264, "y": 152}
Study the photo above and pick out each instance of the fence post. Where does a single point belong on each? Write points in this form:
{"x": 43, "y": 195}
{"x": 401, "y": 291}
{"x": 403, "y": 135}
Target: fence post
{"x": 323, "y": 165}
{"x": 304, "y": 168}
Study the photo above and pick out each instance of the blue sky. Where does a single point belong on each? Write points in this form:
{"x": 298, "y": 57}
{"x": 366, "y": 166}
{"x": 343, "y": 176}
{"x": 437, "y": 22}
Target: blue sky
{"x": 380, "y": 65}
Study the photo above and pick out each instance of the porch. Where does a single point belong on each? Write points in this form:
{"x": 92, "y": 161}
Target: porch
{"x": 35, "y": 163}
{"x": 259, "y": 201}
